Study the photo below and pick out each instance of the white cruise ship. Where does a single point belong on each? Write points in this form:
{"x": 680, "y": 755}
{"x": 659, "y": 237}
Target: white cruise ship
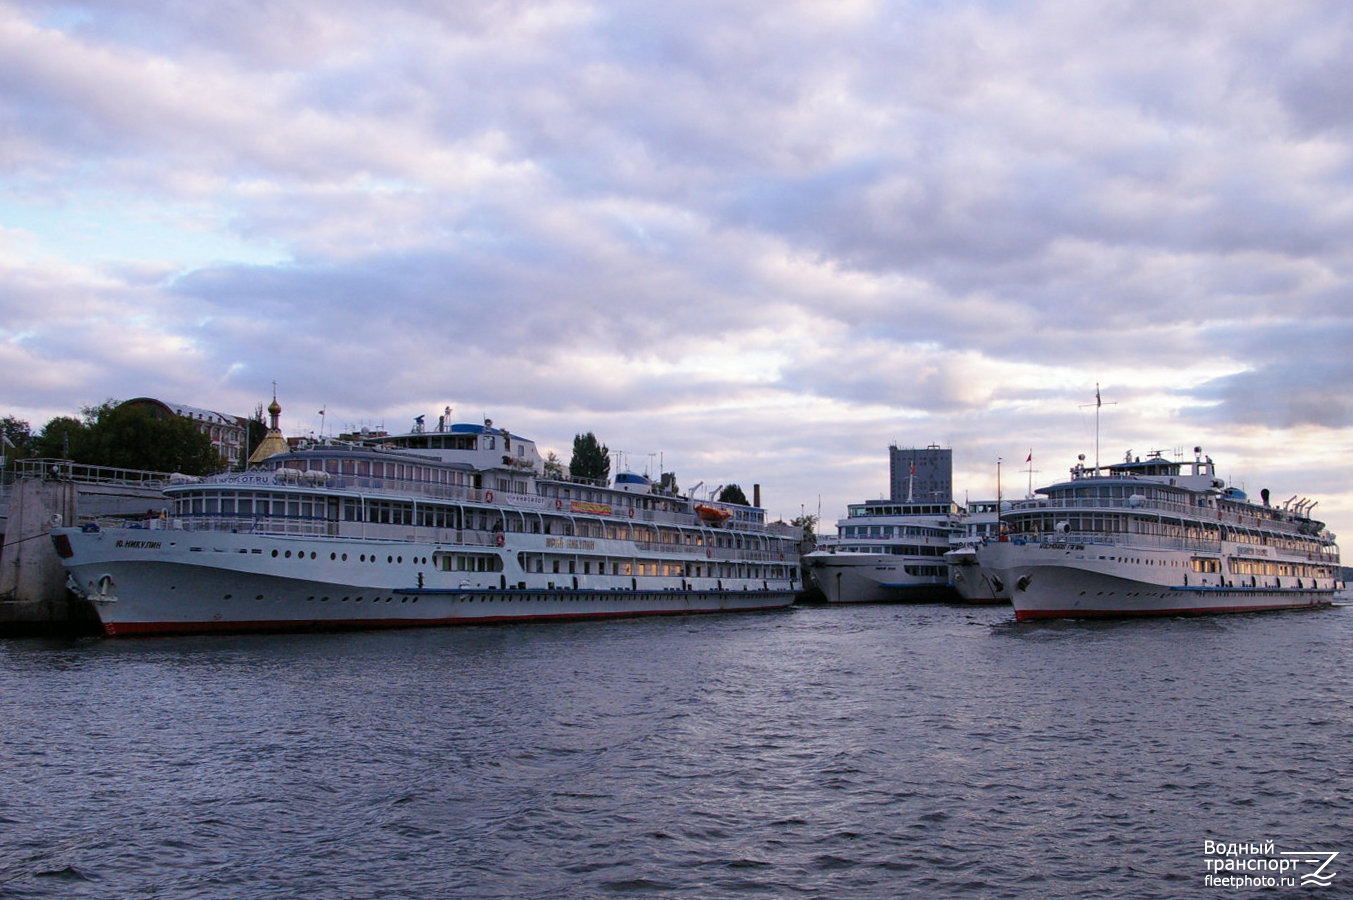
{"x": 1159, "y": 537}
{"x": 457, "y": 525}
{"x": 888, "y": 551}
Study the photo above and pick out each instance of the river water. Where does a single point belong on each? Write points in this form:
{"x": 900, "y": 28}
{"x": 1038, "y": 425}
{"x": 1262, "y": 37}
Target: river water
{"x": 862, "y": 752}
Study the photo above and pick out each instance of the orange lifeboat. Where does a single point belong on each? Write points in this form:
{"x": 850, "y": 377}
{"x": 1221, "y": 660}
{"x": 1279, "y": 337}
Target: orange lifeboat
{"x": 712, "y": 514}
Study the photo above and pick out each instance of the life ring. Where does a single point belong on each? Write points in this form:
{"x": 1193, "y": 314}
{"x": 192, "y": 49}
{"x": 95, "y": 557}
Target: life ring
{"x": 631, "y": 512}
{"x": 559, "y": 504}
{"x": 498, "y": 539}
{"x": 488, "y": 496}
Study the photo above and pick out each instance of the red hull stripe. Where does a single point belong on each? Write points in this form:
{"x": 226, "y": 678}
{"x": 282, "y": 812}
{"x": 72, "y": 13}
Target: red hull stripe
{"x": 1025, "y": 615}
{"x": 122, "y": 629}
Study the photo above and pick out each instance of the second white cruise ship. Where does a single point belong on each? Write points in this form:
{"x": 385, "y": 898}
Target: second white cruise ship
{"x": 1159, "y": 537}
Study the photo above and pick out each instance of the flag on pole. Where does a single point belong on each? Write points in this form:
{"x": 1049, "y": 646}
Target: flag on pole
{"x": 1030, "y": 457}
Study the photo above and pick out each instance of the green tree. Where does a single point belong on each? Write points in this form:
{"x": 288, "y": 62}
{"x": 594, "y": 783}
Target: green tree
{"x": 16, "y": 440}
{"x": 258, "y": 430}
{"x": 808, "y": 523}
{"x": 61, "y": 438}
{"x": 591, "y": 459}
{"x": 733, "y": 494}
{"x": 668, "y": 483}
{"x": 131, "y": 437}
{"x": 553, "y": 467}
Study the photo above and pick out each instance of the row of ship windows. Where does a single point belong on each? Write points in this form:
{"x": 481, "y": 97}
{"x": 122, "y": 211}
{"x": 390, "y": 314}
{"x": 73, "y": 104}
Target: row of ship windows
{"x": 428, "y": 515}
{"x": 676, "y": 569}
{"x": 343, "y": 557}
{"x": 467, "y": 562}
{"x": 1206, "y": 531}
{"x": 1211, "y": 566}
{"x": 932, "y": 550}
{"x": 893, "y": 531}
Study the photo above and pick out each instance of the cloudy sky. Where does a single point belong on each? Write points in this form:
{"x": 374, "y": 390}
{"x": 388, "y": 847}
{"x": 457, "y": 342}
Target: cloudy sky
{"x": 758, "y": 242}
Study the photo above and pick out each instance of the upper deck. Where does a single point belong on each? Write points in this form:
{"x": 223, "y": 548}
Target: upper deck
{"x": 1156, "y": 487}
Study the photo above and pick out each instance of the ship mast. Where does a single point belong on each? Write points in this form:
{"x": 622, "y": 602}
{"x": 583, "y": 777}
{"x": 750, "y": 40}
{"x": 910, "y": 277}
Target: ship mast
{"x": 1098, "y": 404}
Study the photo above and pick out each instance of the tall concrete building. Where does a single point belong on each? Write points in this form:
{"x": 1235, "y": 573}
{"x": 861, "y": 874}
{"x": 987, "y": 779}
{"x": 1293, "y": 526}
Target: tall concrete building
{"x": 921, "y": 474}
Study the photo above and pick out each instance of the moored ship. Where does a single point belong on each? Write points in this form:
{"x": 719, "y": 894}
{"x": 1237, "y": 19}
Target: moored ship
{"x": 1159, "y": 537}
{"x": 970, "y": 581}
{"x": 888, "y": 552}
{"x": 456, "y": 525}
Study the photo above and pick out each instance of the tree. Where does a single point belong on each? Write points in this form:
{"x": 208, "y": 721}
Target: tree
{"x": 132, "y": 437}
{"x": 17, "y": 439}
{"x": 61, "y": 438}
{"x": 733, "y": 494}
{"x": 553, "y": 467}
{"x": 257, "y": 431}
{"x": 668, "y": 483}
{"x": 808, "y": 523}
{"x": 591, "y": 460}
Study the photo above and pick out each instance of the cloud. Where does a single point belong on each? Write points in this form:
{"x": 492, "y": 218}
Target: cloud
{"x": 753, "y": 237}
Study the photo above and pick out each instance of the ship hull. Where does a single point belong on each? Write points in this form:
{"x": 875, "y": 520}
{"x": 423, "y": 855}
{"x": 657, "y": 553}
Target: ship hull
{"x": 866, "y": 578}
{"x": 973, "y": 583}
{"x": 162, "y": 582}
{"x": 1056, "y": 582}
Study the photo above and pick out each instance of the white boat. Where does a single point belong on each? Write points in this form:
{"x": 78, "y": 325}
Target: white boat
{"x": 970, "y": 581}
{"x": 1159, "y": 537}
{"x": 457, "y": 525}
{"x": 888, "y": 551}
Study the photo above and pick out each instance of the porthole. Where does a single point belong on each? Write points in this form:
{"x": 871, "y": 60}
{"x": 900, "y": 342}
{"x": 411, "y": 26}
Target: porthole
{"x": 345, "y": 557}
{"x": 333, "y": 556}
{"x": 274, "y": 554}
{"x": 363, "y": 559}
{"x": 287, "y": 554}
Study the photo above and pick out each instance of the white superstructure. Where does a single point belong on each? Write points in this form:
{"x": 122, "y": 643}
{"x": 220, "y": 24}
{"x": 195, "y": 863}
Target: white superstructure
{"x": 1159, "y": 537}
{"x": 437, "y": 527}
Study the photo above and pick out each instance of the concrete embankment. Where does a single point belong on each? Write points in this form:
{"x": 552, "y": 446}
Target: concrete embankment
{"x": 34, "y": 599}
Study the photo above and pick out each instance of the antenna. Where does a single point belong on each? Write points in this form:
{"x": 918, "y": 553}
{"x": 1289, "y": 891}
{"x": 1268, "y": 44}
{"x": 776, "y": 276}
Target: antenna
{"x": 1098, "y": 403}
{"x": 998, "y": 496}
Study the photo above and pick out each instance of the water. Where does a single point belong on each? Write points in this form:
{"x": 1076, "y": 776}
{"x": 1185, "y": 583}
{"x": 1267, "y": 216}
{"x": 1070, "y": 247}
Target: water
{"x": 881, "y": 751}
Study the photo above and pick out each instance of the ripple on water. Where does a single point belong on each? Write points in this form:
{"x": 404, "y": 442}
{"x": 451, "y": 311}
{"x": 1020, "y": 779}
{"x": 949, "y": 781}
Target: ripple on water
{"x": 825, "y": 752}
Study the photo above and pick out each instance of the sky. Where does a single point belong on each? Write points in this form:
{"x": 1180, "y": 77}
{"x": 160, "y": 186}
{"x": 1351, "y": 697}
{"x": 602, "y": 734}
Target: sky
{"x": 747, "y": 242}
